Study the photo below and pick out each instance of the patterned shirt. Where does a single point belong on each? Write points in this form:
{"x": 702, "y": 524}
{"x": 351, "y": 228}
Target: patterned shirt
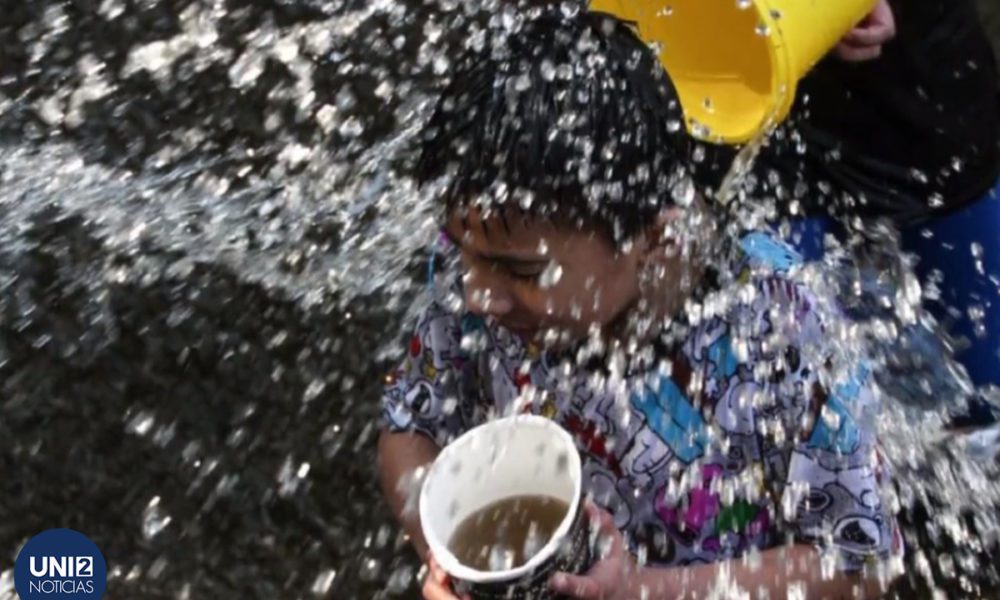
{"x": 737, "y": 435}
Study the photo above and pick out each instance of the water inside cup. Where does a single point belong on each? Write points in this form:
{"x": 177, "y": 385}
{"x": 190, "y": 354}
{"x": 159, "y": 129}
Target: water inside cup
{"x": 474, "y": 486}
{"x": 505, "y": 534}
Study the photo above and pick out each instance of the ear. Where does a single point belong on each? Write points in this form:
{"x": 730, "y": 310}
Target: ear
{"x": 660, "y": 239}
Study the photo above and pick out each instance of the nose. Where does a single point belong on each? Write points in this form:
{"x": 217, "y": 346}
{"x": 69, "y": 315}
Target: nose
{"x": 484, "y": 298}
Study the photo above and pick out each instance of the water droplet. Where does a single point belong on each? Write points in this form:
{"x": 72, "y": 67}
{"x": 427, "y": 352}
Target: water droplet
{"x": 345, "y": 99}
{"x": 569, "y": 8}
{"x": 547, "y": 69}
{"x": 288, "y": 480}
{"x": 683, "y": 192}
{"x": 351, "y": 128}
{"x": 533, "y": 542}
{"x": 246, "y": 70}
{"x": 371, "y": 568}
{"x": 313, "y": 390}
{"x": 141, "y": 423}
{"x": 111, "y": 9}
{"x": 154, "y": 519}
{"x": 399, "y": 580}
{"x": 551, "y": 275}
{"x": 562, "y": 463}
{"x": 753, "y": 558}
{"x": 51, "y": 110}
{"x": 700, "y": 130}
{"x": 385, "y": 90}
{"x": 294, "y": 154}
{"x": 286, "y": 49}
{"x": 501, "y": 558}
{"x": 323, "y": 582}
{"x": 567, "y": 121}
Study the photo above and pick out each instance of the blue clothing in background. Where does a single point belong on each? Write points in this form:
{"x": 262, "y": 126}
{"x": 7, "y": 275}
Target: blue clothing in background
{"x": 961, "y": 250}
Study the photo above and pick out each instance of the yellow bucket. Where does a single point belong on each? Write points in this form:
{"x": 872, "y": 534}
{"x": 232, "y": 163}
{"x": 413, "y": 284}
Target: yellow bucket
{"x": 736, "y": 63}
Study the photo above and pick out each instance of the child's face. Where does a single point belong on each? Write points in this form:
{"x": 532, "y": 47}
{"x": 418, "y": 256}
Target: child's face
{"x": 535, "y": 276}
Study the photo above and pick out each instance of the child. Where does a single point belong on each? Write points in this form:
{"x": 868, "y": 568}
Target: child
{"x": 597, "y": 288}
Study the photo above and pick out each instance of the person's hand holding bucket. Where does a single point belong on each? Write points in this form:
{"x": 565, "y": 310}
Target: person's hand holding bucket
{"x": 865, "y": 41}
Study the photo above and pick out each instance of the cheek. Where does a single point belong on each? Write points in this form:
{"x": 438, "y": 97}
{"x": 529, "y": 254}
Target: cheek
{"x": 613, "y": 289}
{"x": 617, "y": 291}
{"x": 557, "y": 306}
{"x": 543, "y": 306}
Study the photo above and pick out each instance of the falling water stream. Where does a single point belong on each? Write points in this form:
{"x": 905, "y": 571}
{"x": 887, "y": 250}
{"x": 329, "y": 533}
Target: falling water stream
{"x": 208, "y": 243}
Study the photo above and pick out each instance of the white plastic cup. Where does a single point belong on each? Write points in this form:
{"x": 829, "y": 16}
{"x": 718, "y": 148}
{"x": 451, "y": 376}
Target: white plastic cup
{"x": 515, "y": 456}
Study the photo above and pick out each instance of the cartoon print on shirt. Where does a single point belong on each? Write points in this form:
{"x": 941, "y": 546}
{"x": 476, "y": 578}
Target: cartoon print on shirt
{"x": 603, "y": 489}
{"x": 763, "y": 250}
{"x": 395, "y": 409}
{"x": 701, "y": 515}
{"x": 663, "y": 403}
{"x": 835, "y": 430}
{"x": 647, "y": 457}
{"x": 821, "y": 474}
{"x": 734, "y": 412}
{"x": 861, "y": 530}
{"x": 670, "y": 415}
{"x": 713, "y": 345}
{"x": 841, "y": 496}
{"x": 593, "y": 443}
{"x": 432, "y": 349}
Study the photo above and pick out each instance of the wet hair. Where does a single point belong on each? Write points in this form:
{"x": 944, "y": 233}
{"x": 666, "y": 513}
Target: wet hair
{"x": 569, "y": 118}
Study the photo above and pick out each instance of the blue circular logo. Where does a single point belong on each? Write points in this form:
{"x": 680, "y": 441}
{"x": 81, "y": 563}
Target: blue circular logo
{"x": 60, "y": 563}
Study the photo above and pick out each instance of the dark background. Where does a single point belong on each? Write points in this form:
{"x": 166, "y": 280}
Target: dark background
{"x": 991, "y": 15}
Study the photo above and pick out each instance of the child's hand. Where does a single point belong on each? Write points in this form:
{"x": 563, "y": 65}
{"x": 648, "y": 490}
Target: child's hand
{"x": 436, "y": 586}
{"x": 865, "y": 41}
{"x": 612, "y": 578}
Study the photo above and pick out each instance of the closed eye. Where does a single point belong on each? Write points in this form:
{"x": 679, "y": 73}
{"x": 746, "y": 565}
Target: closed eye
{"x": 525, "y": 272}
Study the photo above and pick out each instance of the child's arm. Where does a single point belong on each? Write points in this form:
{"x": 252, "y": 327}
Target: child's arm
{"x": 865, "y": 41}
{"x": 400, "y": 456}
{"x": 422, "y": 409}
{"x": 617, "y": 577}
{"x": 779, "y": 571}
